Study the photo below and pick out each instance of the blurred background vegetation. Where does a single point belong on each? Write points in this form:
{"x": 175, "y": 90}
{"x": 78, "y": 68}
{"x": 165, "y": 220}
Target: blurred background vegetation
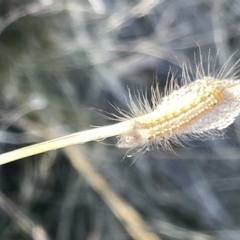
{"x": 59, "y": 59}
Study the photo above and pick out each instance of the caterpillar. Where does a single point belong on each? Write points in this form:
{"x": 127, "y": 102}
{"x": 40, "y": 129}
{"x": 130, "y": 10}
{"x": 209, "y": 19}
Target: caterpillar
{"x": 189, "y": 110}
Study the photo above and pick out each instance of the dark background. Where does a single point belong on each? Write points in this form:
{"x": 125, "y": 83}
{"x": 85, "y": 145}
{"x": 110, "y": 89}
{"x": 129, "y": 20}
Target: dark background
{"x": 59, "y": 59}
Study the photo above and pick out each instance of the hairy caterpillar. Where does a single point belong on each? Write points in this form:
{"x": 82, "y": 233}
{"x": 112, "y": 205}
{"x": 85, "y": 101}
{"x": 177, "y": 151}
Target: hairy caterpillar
{"x": 193, "y": 109}
{"x": 189, "y": 110}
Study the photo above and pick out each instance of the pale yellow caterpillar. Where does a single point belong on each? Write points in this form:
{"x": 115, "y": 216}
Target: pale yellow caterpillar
{"x": 195, "y": 109}
{"x": 189, "y": 110}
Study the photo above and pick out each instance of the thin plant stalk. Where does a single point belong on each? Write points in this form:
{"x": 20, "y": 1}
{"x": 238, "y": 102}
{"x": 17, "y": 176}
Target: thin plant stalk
{"x": 72, "y": 139}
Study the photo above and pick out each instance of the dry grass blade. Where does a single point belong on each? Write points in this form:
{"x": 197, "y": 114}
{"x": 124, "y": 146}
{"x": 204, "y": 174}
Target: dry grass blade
{"x": 72, "y": 139}
{"x": 22, "y": 221}
{"x": 127, "y": 215}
